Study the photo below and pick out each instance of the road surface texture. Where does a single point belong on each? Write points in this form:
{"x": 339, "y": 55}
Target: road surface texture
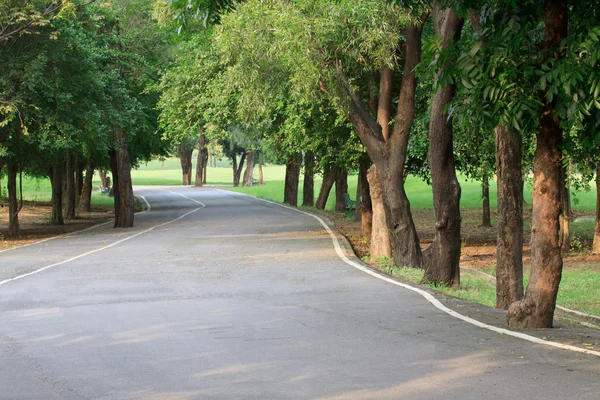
{"x": 223, "y": 296}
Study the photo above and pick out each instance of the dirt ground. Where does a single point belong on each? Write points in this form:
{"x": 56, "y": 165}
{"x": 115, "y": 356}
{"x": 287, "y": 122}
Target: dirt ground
{"x": 479, "y": 243}
{"x": 34, "y": 222}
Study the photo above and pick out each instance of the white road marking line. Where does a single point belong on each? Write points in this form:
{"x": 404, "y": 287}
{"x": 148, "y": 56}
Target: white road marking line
{"x": 147, "y": 204}
{"x": 436, "y": 303}
{"x": 102, "y": 248}
{"x": 64, "y": 235}
{"x": 184, "y": 196}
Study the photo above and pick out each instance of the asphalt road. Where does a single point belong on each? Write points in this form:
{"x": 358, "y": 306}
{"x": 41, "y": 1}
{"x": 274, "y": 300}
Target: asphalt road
{"x": 235, "y": 298}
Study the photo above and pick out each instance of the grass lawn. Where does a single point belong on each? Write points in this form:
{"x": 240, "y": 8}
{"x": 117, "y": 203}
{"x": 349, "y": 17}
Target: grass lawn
{"x": 578, "y": 288}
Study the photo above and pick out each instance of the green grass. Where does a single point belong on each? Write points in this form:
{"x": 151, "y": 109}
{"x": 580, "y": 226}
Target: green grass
{"x": 579, "y": 288}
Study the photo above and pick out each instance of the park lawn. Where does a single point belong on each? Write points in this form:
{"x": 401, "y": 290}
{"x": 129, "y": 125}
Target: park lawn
{"x": 579, "y": 287}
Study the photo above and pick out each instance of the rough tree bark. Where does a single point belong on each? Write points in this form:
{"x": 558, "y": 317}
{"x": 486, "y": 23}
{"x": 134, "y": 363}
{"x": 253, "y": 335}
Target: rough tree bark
{"x": 565, "y": 216}
{"x": 185, "y": 158}
{"x": 249, "y": 173}
{"x": 123, "y": 194}
{"x": 204, "y": 165}
{"x": 102, "y": 174}
{"x": 380, "y": 235}
{"x": 536, "y": 310}
{"x": 341, "y": 188}
{"x": 366, "y": 206}
{"x": 13, "y": 203}
{"x": 200, "y": 160}
{"x": 79, "y": 169}
{"x": 292, "y": 177}
{"x": 56, "y": 180}
{"x": 442, "y": 257}
{"x": 261, "y": 177}
{"x": 509, "y": 251}
{"x": 308, "y": 187}
{"x": 486, "y": 215}
{"x": 85, "y": 201}
{"x": 328, "y": 181}
{"x": 237, "y": 169}
{"x": 596, "y": 243}
{"x": 70, "y": 187}
{"x": 389, "y": 155}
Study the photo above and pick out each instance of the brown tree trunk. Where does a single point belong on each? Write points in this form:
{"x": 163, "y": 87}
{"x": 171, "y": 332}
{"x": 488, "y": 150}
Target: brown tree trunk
{"x": 536, "y": 310}
{"x": 308, "y": 187}
{"x": 486, "y": 215}
{"x": 366, "y": 207}
{"x": 442, "y": 257}
{"x": 13, "y": 203}
{"x": 56, "y": 179}
{"x": 389, "y": 155}
{"x": 234, "y": 167}
{"x": 596, "y": 243}
{"x": 185, "y": 158}
{"x": 509, "y": 251}
{"x": 329, "y": 176}
{"x": 79, "y": 169}
{"x": 341, "y": 188}
{"x": 380, "y": 236}
{"x": 261, "y": 177}
{"x": 71, "y": 189}
{"x": 292, "y": 177}
{"x": 85, "y": 202}
{"x": 565, "y": 216}
{"x": 204, "y": 165}
{"x": 102, "y": 174}
{"x": 249, "y": 173}
{"x": 238, "y": 172}
{"x": 121, "y": 170}
{"x": 200, "y": 162}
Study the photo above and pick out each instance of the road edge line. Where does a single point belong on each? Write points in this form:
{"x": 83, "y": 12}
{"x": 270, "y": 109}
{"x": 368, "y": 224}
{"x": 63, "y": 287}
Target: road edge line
{"x": 428, "y": 296}
{"x": 5, "y": 281}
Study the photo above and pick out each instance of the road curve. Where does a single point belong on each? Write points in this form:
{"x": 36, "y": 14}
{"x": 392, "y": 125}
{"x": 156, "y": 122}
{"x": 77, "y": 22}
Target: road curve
{"x": 214, "y": 295}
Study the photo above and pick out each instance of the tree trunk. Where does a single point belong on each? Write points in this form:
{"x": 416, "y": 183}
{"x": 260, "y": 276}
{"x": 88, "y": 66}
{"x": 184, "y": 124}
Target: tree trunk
{"x": 442, "y": 257}
{"x": 71, "y": 189}
{"x": 121, "y": 170}
{"x": 79, "y": 168}
{"x": 565, "y": 216}
{"x": 102, "y": 174}
{"x": 56, "y": 179}
{"x": 238, "y": 172}
{"x": 185, "y": 158}
{"x": 249, "y": 173}
{"x": 292, "y": 177}
{"x": 389, "y": 155}
{"x": 536, "y": 310}
{"x": 85, "y": 202}
{"x": 341, "y": 188}
{"x": 308, "y": 188}
{"x": 13, "y": 203}
{"x": 328, "y": 181}
{"x": 380, "y": 237}
{"x": 366, "y": 206}
{"x": 596, "y": 244}
{"x": 234, "y": 167}
{"x": 261, "y": 177}
{"x": 486, "y": 216}
{"x": 200, "y": 162}
{"x": 509, "y": 251}
{"x": 204, "y": 165}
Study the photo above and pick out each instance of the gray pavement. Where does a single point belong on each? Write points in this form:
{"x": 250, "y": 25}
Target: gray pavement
{"x": 245, "y": 300}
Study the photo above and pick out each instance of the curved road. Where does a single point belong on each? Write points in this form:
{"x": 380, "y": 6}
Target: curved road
{"x": 215, "y": 295}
